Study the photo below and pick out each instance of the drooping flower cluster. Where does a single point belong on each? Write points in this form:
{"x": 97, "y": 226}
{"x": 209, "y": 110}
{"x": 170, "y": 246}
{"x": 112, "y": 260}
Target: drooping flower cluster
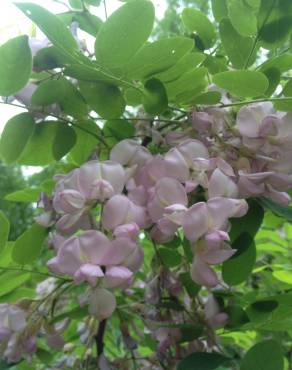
{"x": 195, "y": 187}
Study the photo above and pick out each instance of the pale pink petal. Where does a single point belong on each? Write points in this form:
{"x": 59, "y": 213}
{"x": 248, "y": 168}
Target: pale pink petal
{"x": 192, "y": 149}
{"x": 214, "y": 255}
{"x": 102, "y": 303}
{"x": 176, "y": 165}
{"x": 221, "y": 185}
{"x": 118, "y": 277}
{"x": 196, "y": 221}
{"x": 129, "y": 152}
{"x": 202, "y": 274}
{"x": 120, "y": 250}
{"x": 88, "y": 272}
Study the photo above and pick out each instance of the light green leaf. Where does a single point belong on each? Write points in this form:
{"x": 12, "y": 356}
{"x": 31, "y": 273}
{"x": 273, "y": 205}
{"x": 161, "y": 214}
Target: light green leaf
{"x": 202, "y": 361}
{"x": 242, "y": 83}
{"x": 219, "y": 9}
{"x": 88, "y": 22}
{"x": 11, "y": 280}
{"x": 284, "y": 276}
{"x": 124, "y": 32}
{"x": 274, "y": 77}
{"x": 265, "y": 355}
{"x": 282, "y": 211}
{"x": 231, "y": 39}
{"x": 28, "y": 245}
{"x": 17, "y": 294}
{"x": 15, "y": 65}
{"x": 285, "y": 106}
{"x": 86, "y": 143}
{"x": 25, "y": 195}
{"x": 154, "y": 98}
{"x": 64, "y": 141}
{"x": 238, "y": 268}
{"x": 170, "y": 257}
{"x": 242, "y": 17}
{"x": 16, "y": 134}
{"x": 186, "y": 63}
{"x": 48, "y": 92}
{"x": 282, "y": 62}
{"x": 52, "y": 27}
{"x": 106, "y": 99}
{"x": 4, "y": 230}
{"x": 158, "y": 56}
{"x": 208, "y": 98}
{"x": 197, "y": 22}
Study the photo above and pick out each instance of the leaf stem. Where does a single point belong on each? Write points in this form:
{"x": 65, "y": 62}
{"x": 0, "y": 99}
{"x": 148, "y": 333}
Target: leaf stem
{"x": 255, "y": 101}
{"x": 33, "y": 272}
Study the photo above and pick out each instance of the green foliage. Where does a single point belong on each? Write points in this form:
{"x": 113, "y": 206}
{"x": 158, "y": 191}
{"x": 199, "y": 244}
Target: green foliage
{"x": 154, "y": 98}
{"x": 265, "y": 355}
{"x": 124, "y": 32}
{"x": 4, "y": 230}
{"x": 28, "y": 246}
{"x": 15, "y": 65}
{"x": 202, "y": 361}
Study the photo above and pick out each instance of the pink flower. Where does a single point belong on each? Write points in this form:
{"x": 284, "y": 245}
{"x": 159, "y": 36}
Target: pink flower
{"x": 102, "y": 303}
{"x": 129, "y": 152}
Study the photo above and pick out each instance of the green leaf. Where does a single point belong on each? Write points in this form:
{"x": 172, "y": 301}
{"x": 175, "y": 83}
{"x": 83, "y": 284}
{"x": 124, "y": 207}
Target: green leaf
{"x": 208, "y": 98}
{"x": 86, "y": 143}
{"x": 191, "y": 287}
{"x": 242, "y": 17}
{"x": 4, "y": 230}
{"x": 283, "y": 275}
{"x": 11, "y": 280}
{"x": 44, "y": 356}
{"x": 282, "y": 62}
{"x": 242, "y": 83}
{"x": 202, "y": 361}
{"x": 25, "y": 195}
{"x": 231, "y": 39}
{"x": 16, "y": 133}
{"x": 119, "y": 128}
{"x": 238, "y": 268}
{"x": 48, "y": 58}
{"x": 219, "y": 9}
{"x": 274, "y": 76}
{"x": 28, "y": 245}
{"x": 72, "y": 102}
{"x": 76, "y": 4}
{"x": 124, "y": 32}
{"x": 186, "y": 63}
{"x": 265, "y": 355}
{"x": 17, "y": 294}
{"x": 88, "y": 22}
{"x": 64, "y": 141}
{"x": 249, "y": 223}
{"x": 170, "y": 257}
{"x": 76, "y": 313}
{"x": 236, "y": 316}
{"x": 265, "y": 305}
{"x": 15, "y": 65}
{"x": 106, "y": 99}
{"x": 52, "y": 27}
{"x": 197, "y": 22}
{"x": 158, "y": 56}
{"x": 154, "y": 99}
{"x": 48, "y": 92}
{"x": 285, "y": 106}
{"x": 38, "y": 150}
{"x": 282, "y": 211}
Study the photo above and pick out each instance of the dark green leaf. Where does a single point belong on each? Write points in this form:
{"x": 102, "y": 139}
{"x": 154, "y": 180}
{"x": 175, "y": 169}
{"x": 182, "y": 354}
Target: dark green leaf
{"x": 170, "y": 257}
{"x": 4, "y": 230}
{"x": 242, "y": 83}
{"x": 282, "y": 211}
{"x": 124, "y": 32}
{"x": 64, "y": 141}
{"x": 208, "y": 98}
{"x": 72, "y": 102}
{"x": 197, "y": 22}
{"x": 236, "y": 316}
{"x": 44, "y": 356}
{"x": 265, "y": 355}
{"x": 15, "y": 65}
{"x": 106, "y": 99}
{"x": 231, "y": 39}
{"x": 250, "y": 223}
{"x": 238, "y": 268}
{"x": 265, "y": 305}
{"x": 159, "y": 56}
{"x": 191, "y": 287}
{"x": 274, "y": 76}
{"x": 154, "y": 98}
{"x": 24, "y": 195}
{"x": 202, "y": 361}
{"x": 28, "y": 246}
{"x": 48, "y": 58}
{"x": 16, "y": 133}
{"x": 285, "y": 106}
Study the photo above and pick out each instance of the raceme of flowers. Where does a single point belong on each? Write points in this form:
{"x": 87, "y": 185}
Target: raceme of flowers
{"x": 200, "y": 180}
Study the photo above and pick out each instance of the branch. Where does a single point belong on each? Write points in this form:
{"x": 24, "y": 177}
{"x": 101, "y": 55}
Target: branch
{"x": 99, "y": 338}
